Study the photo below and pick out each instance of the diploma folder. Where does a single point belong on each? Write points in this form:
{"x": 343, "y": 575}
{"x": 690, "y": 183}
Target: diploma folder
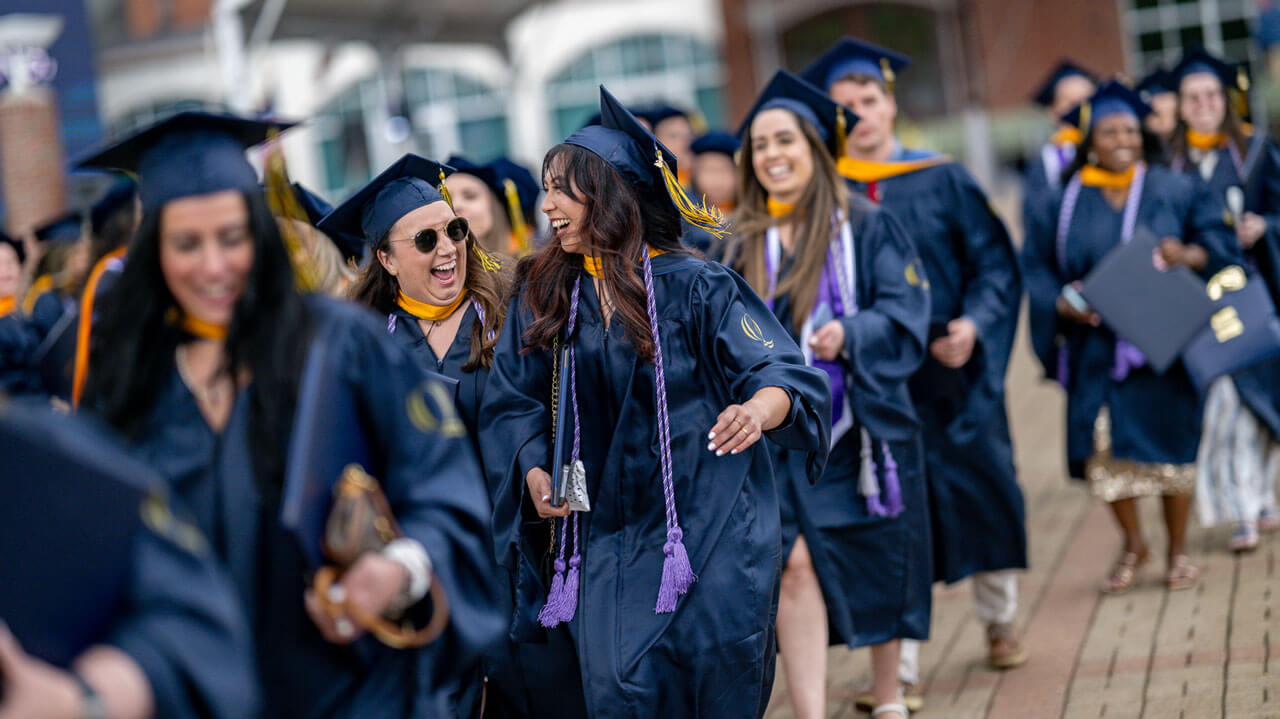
{"x": 329, "y": 433}
{"x": 70, "y": 512}
{"x": 1158, "y": 311}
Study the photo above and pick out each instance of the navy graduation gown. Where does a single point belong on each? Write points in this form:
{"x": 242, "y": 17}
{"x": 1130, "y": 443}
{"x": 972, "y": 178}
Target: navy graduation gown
{"x": 976, "y": 504}
{"x": 1259, "y": 386}
{"x": 47, "y": 310}
{"x": 506, "y": 680}
{"x": 876, "y": 573}
{"x": 1154, "y": 418}
{"x": 18, "y": 343}
{"x": 432, "y": 483}
{"x": 187, "y": 632}
{"x": 1043, "y": 178}
{"x": 713, "y": 656}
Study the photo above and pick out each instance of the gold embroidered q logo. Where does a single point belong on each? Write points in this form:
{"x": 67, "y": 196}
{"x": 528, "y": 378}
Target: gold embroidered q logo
{"x": 751, "y": 329}
{"x": 915, "y": 274}
{"x": 421, "y": 416}
{"x": 1230, "y": 279}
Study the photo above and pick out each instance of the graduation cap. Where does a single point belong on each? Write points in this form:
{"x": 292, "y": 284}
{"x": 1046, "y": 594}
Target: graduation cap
{"x": 645, "y": 163}
{"x": 1112, "y": 98}
{"x": 1198, "y": 60}
{"x": 716, "y": 141}
{"x": 1043, "y": 95}
{"x": 830, "y": 119}
{"x": 370, "y": 213}
{"x": 1156, "y": 82}
{"x": 658, "y": 113}
{"x": 121, "y": 194}
{"x": 190, "y": 153}
{"x": 512, "y": 183}
{"x": 65, "y": 228}
{"x": 16, "y": 244}
{"x": 855, "y": 57}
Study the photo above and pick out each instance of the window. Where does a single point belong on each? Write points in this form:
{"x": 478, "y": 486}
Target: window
{"x": 452, "y": 112}
{"x": 641, "y": 70}
{"x": 1161, "y": 29}
{"x": 343, "y": 144}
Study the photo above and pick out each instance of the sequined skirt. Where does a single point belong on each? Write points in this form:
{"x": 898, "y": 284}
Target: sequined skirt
{"x": 1112, "y": 479}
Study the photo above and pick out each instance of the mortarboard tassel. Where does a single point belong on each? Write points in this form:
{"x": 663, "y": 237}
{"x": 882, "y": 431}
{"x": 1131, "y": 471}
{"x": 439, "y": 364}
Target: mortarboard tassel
{"x": 886, "y": 69}
{"x": 518, "y": 225}
{"x": 868, "y": 485}
{"x": 550, "y": 615}
{"x": 569, "y": 592}
{"x": 284, "y": 203}
{"x": 677, "y": 572}
{"x": 842, "y": 132}
{"x": 892, "y": 487}
{"x": 697, "y": 214}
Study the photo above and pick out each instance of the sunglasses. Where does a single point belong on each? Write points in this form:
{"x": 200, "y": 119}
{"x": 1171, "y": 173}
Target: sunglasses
{"x": 426, "y": 240}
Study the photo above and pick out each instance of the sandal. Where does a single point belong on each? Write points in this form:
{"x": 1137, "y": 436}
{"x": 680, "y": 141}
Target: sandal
{"x": 890, "y": 708}
{"x": 1269, "y": 520}
{"x": 1244, "y": 538}
{"x": 1125, "y": 572}
{"x": 1182, "y": 574}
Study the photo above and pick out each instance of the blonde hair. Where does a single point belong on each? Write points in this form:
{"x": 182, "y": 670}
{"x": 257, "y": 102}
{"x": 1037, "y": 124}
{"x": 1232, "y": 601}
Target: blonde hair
{"x": 332, "y": 273}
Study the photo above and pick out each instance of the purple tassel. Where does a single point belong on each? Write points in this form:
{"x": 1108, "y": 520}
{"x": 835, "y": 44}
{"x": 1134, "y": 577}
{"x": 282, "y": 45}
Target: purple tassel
{"x": 892, "y": 488}
{"x": 677, "y": 574}
{"x": 1064, "y": 367}
{"x": 554, "y": 608}
{"x": 874, "y": 507}
{"x": 391, "y": 323}
{"x": 569, "y": 596}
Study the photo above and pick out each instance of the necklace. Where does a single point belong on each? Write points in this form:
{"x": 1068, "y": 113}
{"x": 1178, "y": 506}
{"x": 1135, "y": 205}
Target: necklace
{"x": 209, "y": 394}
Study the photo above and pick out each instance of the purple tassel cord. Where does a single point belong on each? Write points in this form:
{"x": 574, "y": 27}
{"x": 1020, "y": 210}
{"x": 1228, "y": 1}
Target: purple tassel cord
{"x": 892, "y": 488}
{"x": 677, "y": 572}
{"x": 562, "y": 599}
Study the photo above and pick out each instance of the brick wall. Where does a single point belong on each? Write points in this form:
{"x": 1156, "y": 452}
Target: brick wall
{"x": 30, "y": 159}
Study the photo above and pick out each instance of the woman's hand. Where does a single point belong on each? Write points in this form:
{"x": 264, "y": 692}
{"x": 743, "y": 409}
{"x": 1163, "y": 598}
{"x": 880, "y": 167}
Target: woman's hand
{"x": 828, "y": 341}
{"x": 1173, "y": 252}
{"x": 741, "y": 425}
{"x": 34, "y": 689}
{"x": 1250, "y": 229}
{"x": 956, "y": 348}
{"x": 539, "y": 483}
{"x": 1068, "y": 311}
{"x": 371, "y": 584}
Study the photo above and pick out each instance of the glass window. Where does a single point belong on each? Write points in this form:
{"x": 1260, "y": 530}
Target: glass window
{"x": 1162, "y": 29}
{"x": 680, "y": 69}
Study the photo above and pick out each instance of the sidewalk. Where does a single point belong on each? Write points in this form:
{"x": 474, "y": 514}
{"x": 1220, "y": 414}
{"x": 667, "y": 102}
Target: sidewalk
{"x": 1211, "y": 651}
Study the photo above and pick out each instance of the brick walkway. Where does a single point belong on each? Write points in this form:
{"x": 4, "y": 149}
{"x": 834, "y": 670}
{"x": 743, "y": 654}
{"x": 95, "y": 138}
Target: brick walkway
{"x": 1207, "y": 652}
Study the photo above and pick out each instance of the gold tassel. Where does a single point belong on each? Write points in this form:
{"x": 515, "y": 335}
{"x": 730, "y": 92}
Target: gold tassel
{"x": 488, "y": 261}
{"x": 284, "y": 204}
{"x": 1084, "y": 117}
{"x": 889, "y": 77}
{"x": 518, "y": 225}
{"x": 842, "y": 131}
{"x": 1242, "y": 79}
{"x": 697, "y": 214}
{"x": 444, "y": 191}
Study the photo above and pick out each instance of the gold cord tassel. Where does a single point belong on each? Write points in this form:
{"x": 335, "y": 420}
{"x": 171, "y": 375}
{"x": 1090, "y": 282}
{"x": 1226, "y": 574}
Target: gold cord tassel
{"x": 518, "y": 225}
{"x": 697, "y": 214}
{"x": 889, "y": 77}
{"x": 444, "y": 191}
{"x": 284, "y": 204}
{"x": 842, "y": 131}
{"x": 1084, "y": 117}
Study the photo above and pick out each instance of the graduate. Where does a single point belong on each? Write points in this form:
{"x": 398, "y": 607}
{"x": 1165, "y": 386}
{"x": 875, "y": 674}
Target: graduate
{"x": 1236, "y": 475}
{"x": 1066, "y": 86}
{"x": 663, "y": 582}
{"x": 197, "y": 359}
{"x": 715, "y": 174}
{"x": 64, "y": 262}
{"x": 17, "y": 339}
{"x": 975, "y": 291}
{"x": 1159, "y": 90}
{"x": 498, "y": 200}
{"x": 843, "y": 279}
{"x": 1130, "y": 431}
{"x": 444, "y": 301}
{"x": 176, "y": 647}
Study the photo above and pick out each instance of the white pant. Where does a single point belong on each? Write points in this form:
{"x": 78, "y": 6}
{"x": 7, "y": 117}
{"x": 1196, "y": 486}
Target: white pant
{"x": 995, "y": 597}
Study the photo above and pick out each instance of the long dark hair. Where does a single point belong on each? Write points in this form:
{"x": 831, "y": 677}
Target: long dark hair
{"x": 618, "y": 221}
{"x": 1152, "y": 151}
{"x": 1232, "y": 126}
{"x": 135, "y": 336}
{"x": 811, "y": 223}
{"x": 378, "y": 289}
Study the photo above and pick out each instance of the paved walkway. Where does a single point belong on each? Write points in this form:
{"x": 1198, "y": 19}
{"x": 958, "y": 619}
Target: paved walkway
{"x": 1207, "y": 652}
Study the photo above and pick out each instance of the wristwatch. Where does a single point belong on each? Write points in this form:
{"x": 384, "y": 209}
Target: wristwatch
{"x": 93, "y": 706}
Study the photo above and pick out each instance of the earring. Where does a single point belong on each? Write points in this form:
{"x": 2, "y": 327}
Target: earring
{"x": 1092, "y": 157}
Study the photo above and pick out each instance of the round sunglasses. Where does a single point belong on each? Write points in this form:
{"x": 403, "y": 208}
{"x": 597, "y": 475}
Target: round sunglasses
{"x": 426, "y": 240}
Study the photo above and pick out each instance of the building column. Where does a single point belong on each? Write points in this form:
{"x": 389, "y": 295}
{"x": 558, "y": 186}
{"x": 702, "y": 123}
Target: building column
{"x": 30, "y": 159}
